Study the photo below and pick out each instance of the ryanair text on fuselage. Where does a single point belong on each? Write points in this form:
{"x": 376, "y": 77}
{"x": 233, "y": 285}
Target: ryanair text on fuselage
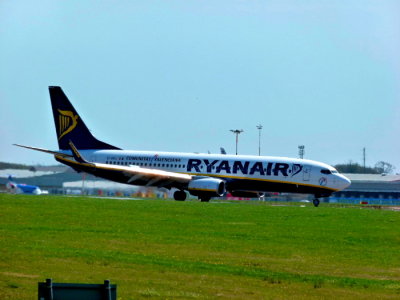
{"x": 243, "y": 167}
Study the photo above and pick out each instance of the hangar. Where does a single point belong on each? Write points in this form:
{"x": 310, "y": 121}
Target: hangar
{"x": 370, "y": 189}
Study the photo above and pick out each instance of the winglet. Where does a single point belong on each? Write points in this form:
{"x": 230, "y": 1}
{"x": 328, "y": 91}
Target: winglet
{"x": 77, "y": 156}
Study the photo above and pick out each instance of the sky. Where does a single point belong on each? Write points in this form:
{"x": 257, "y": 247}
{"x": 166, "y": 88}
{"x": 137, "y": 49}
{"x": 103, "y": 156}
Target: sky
{"x": 179, "y": 75}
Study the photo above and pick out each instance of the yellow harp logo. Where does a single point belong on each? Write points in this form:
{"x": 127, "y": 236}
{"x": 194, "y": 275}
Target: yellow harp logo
{"x": 67, "y": 122}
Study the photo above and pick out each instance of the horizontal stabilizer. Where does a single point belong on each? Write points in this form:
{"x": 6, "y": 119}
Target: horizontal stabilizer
{"x": 44, "y": 150}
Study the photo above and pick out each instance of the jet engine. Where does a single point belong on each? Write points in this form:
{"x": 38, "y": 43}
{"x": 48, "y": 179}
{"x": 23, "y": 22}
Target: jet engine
{"x": 207, "y": 185}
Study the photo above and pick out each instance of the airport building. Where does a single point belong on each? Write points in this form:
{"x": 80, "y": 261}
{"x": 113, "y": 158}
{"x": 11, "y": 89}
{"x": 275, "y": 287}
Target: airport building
{"x": 370, "y": 189}
{"x": 110, "y": 188}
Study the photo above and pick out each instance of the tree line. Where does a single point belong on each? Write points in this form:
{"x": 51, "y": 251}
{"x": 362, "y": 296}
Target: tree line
{"x": 381, "y": 167}
{"x": 5, "y": 165}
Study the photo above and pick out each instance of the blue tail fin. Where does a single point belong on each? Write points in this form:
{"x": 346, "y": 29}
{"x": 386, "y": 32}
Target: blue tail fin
{"x": 70, "y": 126}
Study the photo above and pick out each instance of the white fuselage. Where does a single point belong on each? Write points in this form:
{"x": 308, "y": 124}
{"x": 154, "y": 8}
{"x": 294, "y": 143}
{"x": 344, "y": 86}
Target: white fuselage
{"x": 247, "y": 173}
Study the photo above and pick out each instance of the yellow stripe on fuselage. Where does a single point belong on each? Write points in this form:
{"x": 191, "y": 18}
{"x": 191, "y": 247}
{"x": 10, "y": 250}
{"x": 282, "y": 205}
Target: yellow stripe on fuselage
{"x": 203, "y": 190}
{"x": 261, "y": 179}
{"x": 75, "y": 162}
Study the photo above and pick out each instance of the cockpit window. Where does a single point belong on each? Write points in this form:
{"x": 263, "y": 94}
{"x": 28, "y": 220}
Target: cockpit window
{"x": 334, "y": 172}
{"x": 326, "y": 171}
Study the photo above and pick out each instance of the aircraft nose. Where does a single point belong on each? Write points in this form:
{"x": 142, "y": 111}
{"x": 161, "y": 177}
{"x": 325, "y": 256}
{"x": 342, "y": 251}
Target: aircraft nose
{"x": 345, "y": 182}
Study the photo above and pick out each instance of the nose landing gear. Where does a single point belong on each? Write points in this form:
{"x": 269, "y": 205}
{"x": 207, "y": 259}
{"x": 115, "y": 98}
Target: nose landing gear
{"x": 315, "y": 201}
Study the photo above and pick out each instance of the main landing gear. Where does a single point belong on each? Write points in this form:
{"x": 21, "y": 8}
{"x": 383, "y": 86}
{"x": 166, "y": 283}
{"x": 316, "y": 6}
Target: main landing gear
{"x": 315, "y": 201}
{"x": 204, "y": 198}
{"x": 180, "y": 196}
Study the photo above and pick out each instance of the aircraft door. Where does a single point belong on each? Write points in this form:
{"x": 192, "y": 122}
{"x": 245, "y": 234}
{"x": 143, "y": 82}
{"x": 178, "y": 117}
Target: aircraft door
{"x": 306, "y": 173}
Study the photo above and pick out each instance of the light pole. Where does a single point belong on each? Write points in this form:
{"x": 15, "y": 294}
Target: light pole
{"x": 237, "y": 132}
{"x": 301, "y": 151}
{"x": 259, "y": 127}
{"x": 364, "y": 158}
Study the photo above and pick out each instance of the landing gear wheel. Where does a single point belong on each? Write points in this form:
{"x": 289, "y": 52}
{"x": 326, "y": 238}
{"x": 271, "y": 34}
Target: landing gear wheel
{"x": 315, "y": 202}
{"x": 205, "y": 198}
{"x": 180, "y": 196}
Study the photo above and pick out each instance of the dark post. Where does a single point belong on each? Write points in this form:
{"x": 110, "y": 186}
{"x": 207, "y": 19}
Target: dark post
{"x": 107, "y": 290}
{"x": 49, "y": 289}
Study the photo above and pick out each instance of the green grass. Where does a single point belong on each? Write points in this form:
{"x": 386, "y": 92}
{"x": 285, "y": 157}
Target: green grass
{"x": 166, "y": 250}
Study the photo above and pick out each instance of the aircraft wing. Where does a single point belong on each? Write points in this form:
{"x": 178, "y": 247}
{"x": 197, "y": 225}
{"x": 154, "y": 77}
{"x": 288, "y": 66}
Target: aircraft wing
{"x": 124, "y": 174}
{"x": 152, "y": 176}
{"x": 129, "y": 174}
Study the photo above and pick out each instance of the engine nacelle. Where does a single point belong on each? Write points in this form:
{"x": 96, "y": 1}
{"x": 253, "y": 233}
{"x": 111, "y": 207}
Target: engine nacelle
{"x": 207, "y": 185}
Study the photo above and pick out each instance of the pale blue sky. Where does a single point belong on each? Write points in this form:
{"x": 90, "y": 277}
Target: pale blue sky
{"x": 178, "y": 75}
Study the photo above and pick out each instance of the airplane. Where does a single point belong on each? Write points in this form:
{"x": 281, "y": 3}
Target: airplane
{"x": 202, "y": 175}
{"x": 21, "y": 188}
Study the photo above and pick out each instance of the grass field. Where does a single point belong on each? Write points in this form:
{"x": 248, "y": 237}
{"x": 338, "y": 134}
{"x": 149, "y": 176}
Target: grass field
{"x": 166, "y": 250}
